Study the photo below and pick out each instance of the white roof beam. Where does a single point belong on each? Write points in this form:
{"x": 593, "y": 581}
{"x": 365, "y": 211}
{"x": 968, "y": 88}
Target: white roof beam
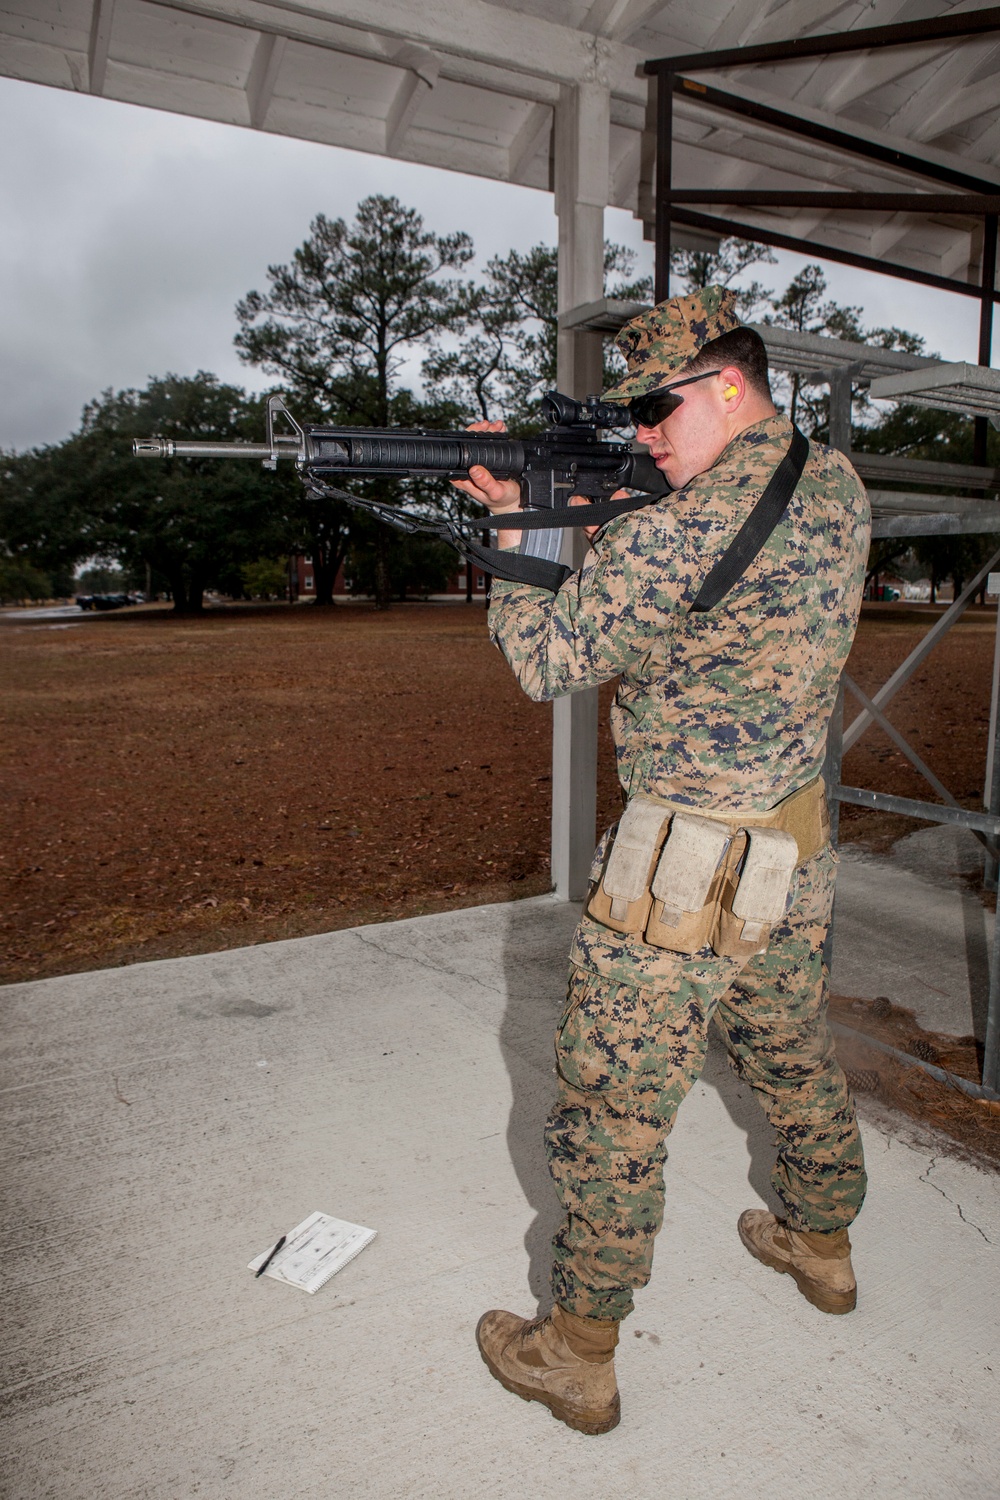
{"x": 263, "y": 76}
{"x": 888, "y": 235}
{"x": 865, "y": 73}
{"x": 618, "y": 19}
{"x": 956, "y": 109}
{"x": 951, "y": 77}
{"x": 532, "y": 135}
{"x": 469, "y": 29}
{"x": 625, "y": 174}
{"x": 420, "y": 76}
{"x": 793, "y": 19}
{"x": 733, "y": 31}
{"x": 100, "y": 43}
{"x": 958, "y": 260}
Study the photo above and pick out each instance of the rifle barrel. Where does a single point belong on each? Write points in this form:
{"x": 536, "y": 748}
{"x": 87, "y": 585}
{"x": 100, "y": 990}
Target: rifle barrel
{"x": 169, "y": 448}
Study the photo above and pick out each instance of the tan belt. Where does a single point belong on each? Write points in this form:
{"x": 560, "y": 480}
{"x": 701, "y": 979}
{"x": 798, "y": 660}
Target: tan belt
{"x": 688, "y": 879}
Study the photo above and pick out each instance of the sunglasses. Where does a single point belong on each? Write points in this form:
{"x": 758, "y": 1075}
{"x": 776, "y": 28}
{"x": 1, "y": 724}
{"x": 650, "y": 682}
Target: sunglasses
{"x": 655, "y": 406}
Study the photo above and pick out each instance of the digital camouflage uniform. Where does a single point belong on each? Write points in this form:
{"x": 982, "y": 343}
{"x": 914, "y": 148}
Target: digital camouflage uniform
{"x": 720, "y": 710}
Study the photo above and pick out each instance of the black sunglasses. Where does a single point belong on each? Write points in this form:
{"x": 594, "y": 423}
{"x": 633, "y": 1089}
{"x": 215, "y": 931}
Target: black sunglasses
{"x": 655, "y": 406}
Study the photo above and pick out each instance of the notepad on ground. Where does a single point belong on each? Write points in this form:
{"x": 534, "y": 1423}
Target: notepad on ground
{"x": 314, "y": 1251}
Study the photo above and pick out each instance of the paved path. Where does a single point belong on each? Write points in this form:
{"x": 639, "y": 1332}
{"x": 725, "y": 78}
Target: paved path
{"x": 165, "y": 1122}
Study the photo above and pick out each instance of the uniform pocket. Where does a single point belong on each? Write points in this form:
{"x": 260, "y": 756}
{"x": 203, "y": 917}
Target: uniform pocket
{"x": 597, "y": 1043}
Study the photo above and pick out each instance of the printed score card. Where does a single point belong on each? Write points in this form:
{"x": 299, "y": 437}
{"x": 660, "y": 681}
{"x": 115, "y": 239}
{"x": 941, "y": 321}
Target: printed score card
{"x": 314, "y": 1251}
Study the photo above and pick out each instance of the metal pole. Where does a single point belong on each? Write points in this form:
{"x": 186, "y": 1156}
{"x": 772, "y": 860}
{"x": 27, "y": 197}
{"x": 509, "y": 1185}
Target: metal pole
{"x": 840, "y": 411}
{"x": 664, "y": 169}
{"x": 991, "y": 1046}
{"x": 831, "y": 775}
{"x": 991, "y": 788}
{"x": 989, "y": 278}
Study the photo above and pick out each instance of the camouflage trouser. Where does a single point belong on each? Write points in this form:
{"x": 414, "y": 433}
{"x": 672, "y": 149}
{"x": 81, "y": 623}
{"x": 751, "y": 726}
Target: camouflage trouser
{"x": 627, "y": 1054}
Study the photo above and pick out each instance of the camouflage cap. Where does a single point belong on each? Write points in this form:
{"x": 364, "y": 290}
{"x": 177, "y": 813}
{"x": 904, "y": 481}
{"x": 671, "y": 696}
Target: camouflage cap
{"x": 658, "y": 344}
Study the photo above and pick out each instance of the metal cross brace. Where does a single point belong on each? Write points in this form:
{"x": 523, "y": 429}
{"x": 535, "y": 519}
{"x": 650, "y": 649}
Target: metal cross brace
{"x": 912, "y": 756}
{"x": 905, "y": 671}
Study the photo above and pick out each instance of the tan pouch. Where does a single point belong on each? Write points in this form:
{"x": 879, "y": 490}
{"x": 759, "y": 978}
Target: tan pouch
{"x": 622, "y": 899}
{"x": 755, "y": 893}
{"x": 686, "y": 885}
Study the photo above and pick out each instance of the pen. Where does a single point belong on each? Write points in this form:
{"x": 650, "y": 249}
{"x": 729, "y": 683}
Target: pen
{"x": 261, "y": 1269}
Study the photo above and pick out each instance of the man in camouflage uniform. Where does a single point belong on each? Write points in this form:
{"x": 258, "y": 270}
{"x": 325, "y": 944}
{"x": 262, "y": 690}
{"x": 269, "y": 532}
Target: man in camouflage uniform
{"x": 723, "y": 712}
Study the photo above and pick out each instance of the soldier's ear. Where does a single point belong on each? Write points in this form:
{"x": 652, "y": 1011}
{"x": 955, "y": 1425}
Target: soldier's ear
{"x": 734, "y": 386}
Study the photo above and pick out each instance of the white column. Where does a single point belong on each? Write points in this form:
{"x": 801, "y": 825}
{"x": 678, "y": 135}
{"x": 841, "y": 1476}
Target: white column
{"x": 582, "y": 135}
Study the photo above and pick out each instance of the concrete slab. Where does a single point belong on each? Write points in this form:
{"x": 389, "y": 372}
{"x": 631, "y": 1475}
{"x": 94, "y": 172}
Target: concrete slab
{"x": 165, "y": 1122}
{"x": 912, "y": 926}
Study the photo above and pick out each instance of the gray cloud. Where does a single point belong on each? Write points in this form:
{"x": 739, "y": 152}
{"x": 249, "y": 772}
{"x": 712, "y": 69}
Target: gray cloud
{"x": 127, "y": 236}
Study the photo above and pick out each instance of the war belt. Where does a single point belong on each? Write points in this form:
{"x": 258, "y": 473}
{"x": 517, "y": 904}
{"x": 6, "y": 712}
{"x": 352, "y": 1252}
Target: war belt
{"x": 719, "y": 878}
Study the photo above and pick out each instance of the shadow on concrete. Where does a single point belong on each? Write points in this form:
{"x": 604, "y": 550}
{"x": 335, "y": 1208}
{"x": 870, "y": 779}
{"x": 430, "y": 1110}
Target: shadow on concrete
{"x": 977, "y": 958}
{"x": 535, "y": 969}
{"x": 747, "y": 1115}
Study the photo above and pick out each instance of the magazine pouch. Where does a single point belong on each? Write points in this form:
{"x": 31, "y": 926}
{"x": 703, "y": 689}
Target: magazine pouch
{"x": 622, "y": 898}
{"x": 755, "y": 891}
{"x": 687, "y": 884}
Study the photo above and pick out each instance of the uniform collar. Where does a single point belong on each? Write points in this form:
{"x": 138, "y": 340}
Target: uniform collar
{"x": 772, "y": 431}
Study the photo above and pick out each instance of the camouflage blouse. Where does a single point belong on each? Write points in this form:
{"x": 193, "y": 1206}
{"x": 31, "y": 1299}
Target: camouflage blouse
{"x": 723, "y": 709}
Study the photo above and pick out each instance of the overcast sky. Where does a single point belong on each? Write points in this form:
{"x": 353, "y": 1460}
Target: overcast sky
{"x": 127, "y": 236}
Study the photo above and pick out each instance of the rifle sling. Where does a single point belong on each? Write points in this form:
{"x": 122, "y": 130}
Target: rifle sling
{"x": 757, "y": 527}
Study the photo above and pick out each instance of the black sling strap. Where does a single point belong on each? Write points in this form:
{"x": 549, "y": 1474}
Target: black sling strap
{"x": 757, "y": 527}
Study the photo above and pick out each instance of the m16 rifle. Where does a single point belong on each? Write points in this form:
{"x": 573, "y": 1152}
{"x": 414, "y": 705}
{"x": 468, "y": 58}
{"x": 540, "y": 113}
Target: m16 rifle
{"x": 569, "y": 458}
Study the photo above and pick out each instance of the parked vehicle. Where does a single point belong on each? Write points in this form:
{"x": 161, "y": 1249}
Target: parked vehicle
{"x": 105, "y": 601}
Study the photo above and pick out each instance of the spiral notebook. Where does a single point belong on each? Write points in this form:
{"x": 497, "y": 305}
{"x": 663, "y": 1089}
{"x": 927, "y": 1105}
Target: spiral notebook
{"x": 314, "y": 1251}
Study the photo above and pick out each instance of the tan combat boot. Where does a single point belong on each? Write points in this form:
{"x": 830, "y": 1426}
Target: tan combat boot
{"x": 566, "y": 1362}
{"x": 819, "y": 1263}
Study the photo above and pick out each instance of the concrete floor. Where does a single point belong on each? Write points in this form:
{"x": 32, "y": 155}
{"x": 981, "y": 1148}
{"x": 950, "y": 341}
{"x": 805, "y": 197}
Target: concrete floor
{"x": 166, "y": 1122}
{"x": 912, "y": 926}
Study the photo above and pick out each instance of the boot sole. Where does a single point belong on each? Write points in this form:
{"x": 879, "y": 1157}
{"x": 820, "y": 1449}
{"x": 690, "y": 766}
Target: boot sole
{"x": 821, "y": 1297}
{"x": 590, "y": 1422}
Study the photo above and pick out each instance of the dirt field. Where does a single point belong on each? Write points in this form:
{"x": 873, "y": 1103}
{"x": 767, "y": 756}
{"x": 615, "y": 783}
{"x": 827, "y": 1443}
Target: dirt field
{"x": 172, "y": 787}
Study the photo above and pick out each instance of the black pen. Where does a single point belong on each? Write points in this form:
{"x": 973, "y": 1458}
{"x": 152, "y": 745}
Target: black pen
{"x": 261, "y": 1269}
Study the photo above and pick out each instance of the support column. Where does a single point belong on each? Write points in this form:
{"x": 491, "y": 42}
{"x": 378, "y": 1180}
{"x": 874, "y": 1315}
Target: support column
{"x": 582, "y": 136}
{"x": 988, "y": 283}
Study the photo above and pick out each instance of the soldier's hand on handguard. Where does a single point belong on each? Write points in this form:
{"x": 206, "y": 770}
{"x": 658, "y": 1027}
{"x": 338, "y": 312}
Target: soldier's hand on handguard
{"x": 498, "y": 495}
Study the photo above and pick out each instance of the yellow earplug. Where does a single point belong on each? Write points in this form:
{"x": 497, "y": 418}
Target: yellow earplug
{"x": 731, "y": 390}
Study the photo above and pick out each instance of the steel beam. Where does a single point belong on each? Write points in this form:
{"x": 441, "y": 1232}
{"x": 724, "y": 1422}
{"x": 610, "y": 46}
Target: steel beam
{"x": 955, "y": 24}
{"x": 988, "y": 282}
{"x": 991, "y": 781}
{"x": 866, "y": 202}
{"x": 831, "y": 776}
{"x": 664, "y": 169}
{"x": 763, "y": 236}
{"x": 979, "y": 521}
{"x": 827, "y": 135}
{"x": 928, "y": 812}
{"x": 991, "y": 1046}
{"x": 911, "y": 755}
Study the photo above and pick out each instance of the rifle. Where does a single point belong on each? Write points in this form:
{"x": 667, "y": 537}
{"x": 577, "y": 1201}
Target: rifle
{"x": 568, "y": 458}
